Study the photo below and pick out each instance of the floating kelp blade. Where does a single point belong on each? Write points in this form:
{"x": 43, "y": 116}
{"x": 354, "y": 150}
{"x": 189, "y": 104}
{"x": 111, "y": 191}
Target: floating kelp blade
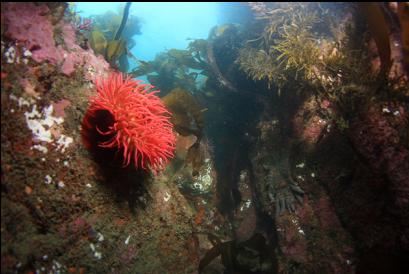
{"x": 379, "y": 29}
{"x": 115, "y": 49}
{"x": 98, "y": 42}
{"x": 403, "y": 14}
{"x": 187, "y": 113}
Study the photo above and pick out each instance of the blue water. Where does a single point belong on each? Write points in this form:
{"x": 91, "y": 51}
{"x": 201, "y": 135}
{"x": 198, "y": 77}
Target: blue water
{"x": 163, "y": 25}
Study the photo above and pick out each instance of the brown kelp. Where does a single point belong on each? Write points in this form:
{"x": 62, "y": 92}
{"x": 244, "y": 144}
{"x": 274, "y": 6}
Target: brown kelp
{"x": 218, "y": 31}
{"x": 176, "y": 68}
{"x": 403, "y": 14}
{"x": 250, "y": 256}
{"x": 187, "y": 119}
{"x": 379, "y": 30}
{"x": 187, "y": 114}
{"x": 111, "y": 36}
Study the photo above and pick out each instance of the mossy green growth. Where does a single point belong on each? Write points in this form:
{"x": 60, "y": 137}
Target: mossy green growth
{"x": 298, "y": 49}
{"x": 259, "y": 65}
{"x": 288, "y": 49}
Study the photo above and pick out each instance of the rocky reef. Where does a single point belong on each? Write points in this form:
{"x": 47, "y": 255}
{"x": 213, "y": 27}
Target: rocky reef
{"x": 291, "y": 153}
{"x": 62, "y": 211}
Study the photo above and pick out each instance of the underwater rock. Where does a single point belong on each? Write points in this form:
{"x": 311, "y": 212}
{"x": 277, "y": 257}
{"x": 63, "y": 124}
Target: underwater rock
{"x": 253, "y": 255}
{"x": 29, "y": 24}
{"x": 310, "y": 125}
{"x": 245, "y": 217}
{"x": 65, "y": 205}
{"x": 197, "y": 176}
{"x": 381, "y": 138}
{"x": 282, "y": 190}
{"x": 281, "y": 181}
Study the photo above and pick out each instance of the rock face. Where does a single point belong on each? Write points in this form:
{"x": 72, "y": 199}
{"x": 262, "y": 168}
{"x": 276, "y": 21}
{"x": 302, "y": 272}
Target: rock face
{"x": 310, "y": 236}
{"x": 49, "y": 39}
{"x": 61, "y": 211}
{"x": 354, "y": 181}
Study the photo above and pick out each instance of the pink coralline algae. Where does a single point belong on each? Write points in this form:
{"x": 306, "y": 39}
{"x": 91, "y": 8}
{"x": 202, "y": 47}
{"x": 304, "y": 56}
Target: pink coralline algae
{"x": 60, "y": 106}
{"x": 30, "y": 24}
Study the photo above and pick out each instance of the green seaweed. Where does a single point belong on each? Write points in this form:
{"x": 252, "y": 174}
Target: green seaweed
{"x": 298, "y": 50}
{"x": 287, "y": 50}
{"x": 259, "y": 65}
